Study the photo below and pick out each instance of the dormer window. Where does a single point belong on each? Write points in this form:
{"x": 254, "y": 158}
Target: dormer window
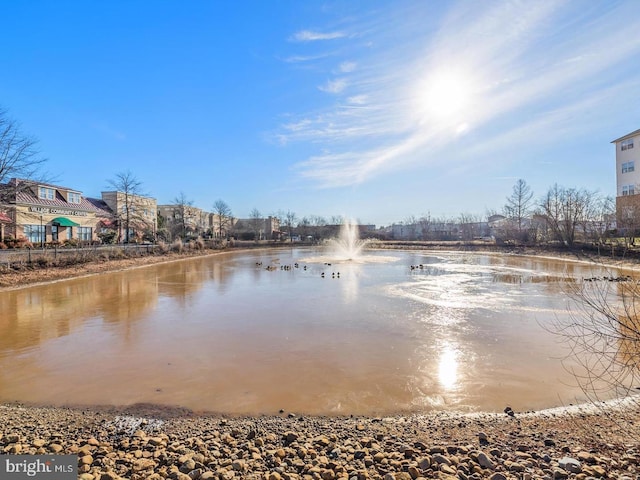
{"x": 73, "y": 197}
{"x": 626, "y": 144}
{"x": 46, "y": 193}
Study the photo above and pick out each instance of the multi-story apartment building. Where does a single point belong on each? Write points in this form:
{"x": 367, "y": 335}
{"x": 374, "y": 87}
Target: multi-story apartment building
{"x": 135, "y": 216}
{"x": 257, "y": 228}
{"x": 42, "y": 213}
{"x": 628, "y": 181}
{"x": 184, "y": 220}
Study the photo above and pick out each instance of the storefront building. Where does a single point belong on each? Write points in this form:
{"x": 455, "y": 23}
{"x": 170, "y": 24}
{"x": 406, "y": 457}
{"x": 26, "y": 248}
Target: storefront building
{"x": 43, "y": 213}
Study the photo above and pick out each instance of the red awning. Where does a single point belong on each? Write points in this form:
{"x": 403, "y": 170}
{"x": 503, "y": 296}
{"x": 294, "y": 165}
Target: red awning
{"x": 4, "y": 218}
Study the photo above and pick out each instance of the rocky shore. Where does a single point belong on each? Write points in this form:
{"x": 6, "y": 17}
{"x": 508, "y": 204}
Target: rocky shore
{"x": 146, "y": 442}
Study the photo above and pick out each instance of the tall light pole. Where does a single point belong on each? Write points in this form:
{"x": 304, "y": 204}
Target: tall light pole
{"x": 42, "y": 233}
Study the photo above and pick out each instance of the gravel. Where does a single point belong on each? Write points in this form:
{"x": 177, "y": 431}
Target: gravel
{"x": 152, "y": 442}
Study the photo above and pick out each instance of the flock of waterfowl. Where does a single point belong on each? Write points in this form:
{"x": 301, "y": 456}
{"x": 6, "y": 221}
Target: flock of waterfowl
{"x": 296, "y": 265}
{"x": 622, "y": 278}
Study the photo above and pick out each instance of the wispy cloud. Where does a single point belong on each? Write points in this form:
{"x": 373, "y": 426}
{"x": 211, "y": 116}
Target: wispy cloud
{"x": 346, "y": 67}
{"x": 505, "y": 75}
{"x": 305, "y": 58}
{"x": 334, "y": 86}
{"x": 311, "y": 36}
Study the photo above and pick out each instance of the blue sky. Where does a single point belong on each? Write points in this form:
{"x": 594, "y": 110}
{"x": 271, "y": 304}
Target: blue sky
{"x": 374, "y": 110}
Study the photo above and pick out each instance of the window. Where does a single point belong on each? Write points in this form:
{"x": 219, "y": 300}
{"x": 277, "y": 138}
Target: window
{"x": 84, "y": 233}
{"x": 34, "y": 233}
{"x": 73, "y": 197}
{"x": 626, "y": 144}
{"x": 628, "y": 167}
{"x": 46, "y": 193}
{"x": 628, "y": 190}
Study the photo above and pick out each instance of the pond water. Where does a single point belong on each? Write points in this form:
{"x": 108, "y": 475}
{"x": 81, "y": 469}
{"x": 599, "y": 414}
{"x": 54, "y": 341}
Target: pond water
{"x": 225, "y": 333}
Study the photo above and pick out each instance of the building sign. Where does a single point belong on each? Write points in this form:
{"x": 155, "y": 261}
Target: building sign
{"x": 58, "y": 211}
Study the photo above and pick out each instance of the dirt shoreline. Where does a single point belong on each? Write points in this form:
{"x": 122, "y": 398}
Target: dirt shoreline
{"x": 11, "y": 280}
{"x": 153, "y": 442}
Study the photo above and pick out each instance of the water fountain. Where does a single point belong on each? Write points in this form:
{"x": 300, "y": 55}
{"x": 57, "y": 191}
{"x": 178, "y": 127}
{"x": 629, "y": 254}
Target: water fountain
{"x": 348, "y": 246}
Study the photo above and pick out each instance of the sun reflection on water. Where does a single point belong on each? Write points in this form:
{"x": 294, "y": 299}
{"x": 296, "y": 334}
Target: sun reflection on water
{"x": 448, "y": 367}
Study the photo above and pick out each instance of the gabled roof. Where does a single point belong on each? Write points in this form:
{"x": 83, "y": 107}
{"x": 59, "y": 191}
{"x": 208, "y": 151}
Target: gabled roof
{"x": 36, "y": 183}
{"x": 28, "y": 197}
{"x": 628, "y": 135}
{"x": 101, "y": 208}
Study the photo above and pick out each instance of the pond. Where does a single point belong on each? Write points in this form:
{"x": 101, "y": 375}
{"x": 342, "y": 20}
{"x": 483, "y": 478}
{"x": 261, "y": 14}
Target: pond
{"x": 258, "y": 331}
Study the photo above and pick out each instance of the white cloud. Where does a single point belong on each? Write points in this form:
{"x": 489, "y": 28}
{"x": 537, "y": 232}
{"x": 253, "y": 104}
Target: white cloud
{"x": 357, "y": 100}
{"x": 347, "y": 67}
{"x": 305, "y": 58}
{"x": 311, "y": 36}
{"x": 334, "y": 86}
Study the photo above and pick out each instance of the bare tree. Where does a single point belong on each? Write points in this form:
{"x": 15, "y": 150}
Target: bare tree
{"x": 518, "y": 206}
{"x": 304, "y": 227}
{"x": 224, "y": 220}
{"x": 603, "y": 333}
{"x": 289, "y": 220}
{"x": 129, "y": 203}
{"x": 19, "y": 155}
{"x": 565, "y": 209}
{"x": 424, "y": 223}
{"x": 318, "y": 227}
{"x": 182, "y": 221}
{"x": 411, "y": 226}
{"x": 469, "y": 226}
{"x": 256, "y": 222}
{"x": 19, "y": 159}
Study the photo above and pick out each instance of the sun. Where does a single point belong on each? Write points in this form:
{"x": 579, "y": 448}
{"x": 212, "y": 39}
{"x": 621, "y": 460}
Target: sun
{"x": 445, "y": 95}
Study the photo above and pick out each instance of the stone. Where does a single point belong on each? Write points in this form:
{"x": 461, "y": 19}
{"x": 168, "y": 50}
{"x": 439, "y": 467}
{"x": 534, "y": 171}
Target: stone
{"x": 143, "y": 464}
{"x": 413, "y": 472}
{"x": 497, "y": 476}
{"x": 560, "y": 473}
{"x": 515, "y": 467}
{"x": 570, "y": 465}
{"x": 440, "y": 459}
{"x": 485, "y": 462}
{"x": 444, "y": 468}
{"x": 10, "y": 439}
{"x": 598, "y": 471}
{"x": 586, "y": 457}
{"x": 402, "y": 476}
{"x": 109, "y": 476}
